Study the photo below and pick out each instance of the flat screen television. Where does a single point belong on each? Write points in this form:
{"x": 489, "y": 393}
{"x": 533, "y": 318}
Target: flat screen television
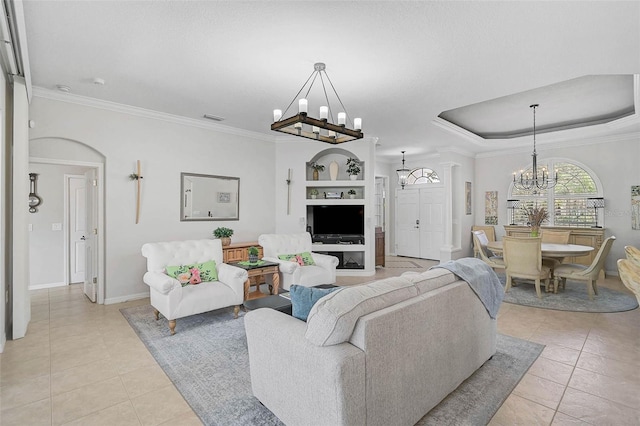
{"x": 341, "y": 220}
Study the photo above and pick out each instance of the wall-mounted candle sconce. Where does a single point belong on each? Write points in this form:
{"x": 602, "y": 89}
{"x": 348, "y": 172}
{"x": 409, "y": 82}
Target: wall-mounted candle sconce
{"x": 34, "y": 200}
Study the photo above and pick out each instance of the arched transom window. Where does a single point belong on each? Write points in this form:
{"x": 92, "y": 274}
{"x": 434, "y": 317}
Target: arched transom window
{"x": 568, "y": 197}
{"x": 422, "y": 176}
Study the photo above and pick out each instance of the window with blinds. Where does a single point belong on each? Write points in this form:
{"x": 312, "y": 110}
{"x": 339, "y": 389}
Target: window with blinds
{"x": 568, "y": 197}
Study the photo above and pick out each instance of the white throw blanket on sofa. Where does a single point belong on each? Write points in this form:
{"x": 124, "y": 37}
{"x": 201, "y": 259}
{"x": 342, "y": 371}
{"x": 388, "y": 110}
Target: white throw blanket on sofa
{"x": 481, "y": 278}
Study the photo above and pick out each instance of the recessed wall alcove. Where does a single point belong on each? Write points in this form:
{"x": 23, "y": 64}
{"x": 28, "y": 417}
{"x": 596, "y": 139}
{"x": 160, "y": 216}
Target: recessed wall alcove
{"x": 340, "y": 156}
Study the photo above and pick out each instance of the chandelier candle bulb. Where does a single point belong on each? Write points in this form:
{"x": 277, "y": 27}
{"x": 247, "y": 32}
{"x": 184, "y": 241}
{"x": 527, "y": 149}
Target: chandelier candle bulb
{"x": 324, "y": 113}
{"x": 357, "y": 123}
{"x": 342, "y": 119}
{"x": 302, "y": 106}
{"x": 315, "y": 129}
{"x": 332, "y": 134}
{"x": 277, "y": 114}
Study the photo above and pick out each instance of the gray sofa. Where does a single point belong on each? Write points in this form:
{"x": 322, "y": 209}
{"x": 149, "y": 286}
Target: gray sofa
{"x": 384, "y": 353}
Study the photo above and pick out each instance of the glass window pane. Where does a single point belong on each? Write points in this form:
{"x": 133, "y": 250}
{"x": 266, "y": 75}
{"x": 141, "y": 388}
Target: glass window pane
{"x": 422, "y": 176}
{"x": 569, "y": 197}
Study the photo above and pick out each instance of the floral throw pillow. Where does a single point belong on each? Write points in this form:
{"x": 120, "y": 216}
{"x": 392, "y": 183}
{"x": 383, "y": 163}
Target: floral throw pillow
{"x": 302, "y": 259}
{"x": 194, "y": 274}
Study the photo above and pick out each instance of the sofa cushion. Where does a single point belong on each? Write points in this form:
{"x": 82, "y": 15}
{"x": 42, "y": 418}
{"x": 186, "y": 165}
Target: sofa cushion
{"x": 333, "y": 318}
{"x": 431, "y": 279}
{"x": 194, "y": 274}
{"x": 303, "y": 299}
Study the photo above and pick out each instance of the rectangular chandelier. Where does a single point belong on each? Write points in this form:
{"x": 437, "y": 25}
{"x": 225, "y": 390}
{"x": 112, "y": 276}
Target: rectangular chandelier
{"x": 312, "y": 128}
{"x": 323, "y": 129}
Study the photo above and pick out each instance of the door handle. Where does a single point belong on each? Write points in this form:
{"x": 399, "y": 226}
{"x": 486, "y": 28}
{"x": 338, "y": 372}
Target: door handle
{"x": 83, "y": 238}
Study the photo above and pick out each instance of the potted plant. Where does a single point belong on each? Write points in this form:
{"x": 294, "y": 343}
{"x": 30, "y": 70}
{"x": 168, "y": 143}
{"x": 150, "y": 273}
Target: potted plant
{"x": 352, "y": 193}
{"x": 224, "y": 234}
{"x": 353, "y": 168}
{"x": 253, "y": 254}
{"x": 536, "y": 215}
{"x": 317, "y": 168}
{"x": 313, "y": 193}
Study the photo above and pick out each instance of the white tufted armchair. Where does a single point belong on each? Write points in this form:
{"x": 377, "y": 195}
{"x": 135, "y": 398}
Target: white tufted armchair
{"x": 173, "y": 301}
{"x": 323, "y": 272}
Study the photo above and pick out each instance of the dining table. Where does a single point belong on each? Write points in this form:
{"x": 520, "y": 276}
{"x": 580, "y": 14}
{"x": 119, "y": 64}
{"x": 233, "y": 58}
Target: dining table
{"x": 552, "y": 250}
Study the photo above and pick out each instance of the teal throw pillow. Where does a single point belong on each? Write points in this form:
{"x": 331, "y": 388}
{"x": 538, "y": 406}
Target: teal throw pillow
{"x": 303, "y": 298}
{"x": 302, "y": 259}
{"x": 194, "y": 274}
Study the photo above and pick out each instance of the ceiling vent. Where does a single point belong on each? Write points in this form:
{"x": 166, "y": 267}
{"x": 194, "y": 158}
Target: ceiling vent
{"x": 213, "y": 117}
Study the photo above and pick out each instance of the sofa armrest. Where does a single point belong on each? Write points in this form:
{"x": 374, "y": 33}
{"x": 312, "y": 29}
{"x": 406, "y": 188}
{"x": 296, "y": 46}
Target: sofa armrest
{"x": 233, "y": 277}
{"x": 285, "y": 266}
{"x": 325, "y": 261}
{"x": 160, "y": 282}
{"x": 328, "y": 382}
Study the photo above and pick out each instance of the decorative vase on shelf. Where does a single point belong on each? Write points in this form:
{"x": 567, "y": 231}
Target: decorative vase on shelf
{"x": 353, "y": 177}
{"x": 352, "y": 196}
{"x": 313, "y": 196}
{"x": 225, "y": 241}
{"x": 333, "y": 170}
{"x": 535, "y": 231}
{"x": 316, "y": 174}
{"x": 253, "y": 258}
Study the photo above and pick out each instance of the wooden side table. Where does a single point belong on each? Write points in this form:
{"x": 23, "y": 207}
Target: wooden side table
{"x": 259, "y": 270}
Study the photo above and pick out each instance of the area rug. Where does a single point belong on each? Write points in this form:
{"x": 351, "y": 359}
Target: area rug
{"x": 207, "y": 361}
{"x": 402, "y": 263}
{"x": 573, "y": 298}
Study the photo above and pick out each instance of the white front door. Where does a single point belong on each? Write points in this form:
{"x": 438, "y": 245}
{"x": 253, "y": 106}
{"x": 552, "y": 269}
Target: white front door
{"x": 408, "y": 222}
{"x": 431, "y": 222}
{"x": 91, "y": 236}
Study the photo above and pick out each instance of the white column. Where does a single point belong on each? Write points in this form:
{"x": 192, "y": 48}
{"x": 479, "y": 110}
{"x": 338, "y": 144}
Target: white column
{"x": 446, "y": 251}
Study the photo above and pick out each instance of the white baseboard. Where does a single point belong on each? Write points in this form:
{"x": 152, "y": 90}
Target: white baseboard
{"x": 122, "y": 299}
{"x": 49, "y": 285}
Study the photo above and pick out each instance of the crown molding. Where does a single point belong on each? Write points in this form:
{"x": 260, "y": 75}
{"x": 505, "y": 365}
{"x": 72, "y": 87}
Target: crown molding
{"x": 459, "y": 131}
{"x": 146, "y": 113}
{"x": 457, "y": 150}
{"x": 635, "y": 136}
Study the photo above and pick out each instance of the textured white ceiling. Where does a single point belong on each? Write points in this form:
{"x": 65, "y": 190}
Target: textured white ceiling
{"x": 395, "y": 64}
{"x": 580, "y": 102}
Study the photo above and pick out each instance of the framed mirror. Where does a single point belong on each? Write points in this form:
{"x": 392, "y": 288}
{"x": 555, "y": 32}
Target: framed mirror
{"x": 209, "y": 197}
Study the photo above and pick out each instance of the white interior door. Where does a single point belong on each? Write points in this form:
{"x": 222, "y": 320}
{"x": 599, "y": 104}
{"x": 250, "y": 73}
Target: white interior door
{"x": 77, "y": 228}
{"x": 408, "y": 222}
{"x": 431, "y": 222}
{"x": 91, "y": 236}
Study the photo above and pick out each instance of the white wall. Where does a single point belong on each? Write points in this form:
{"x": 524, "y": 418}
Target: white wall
{"x": 165, "y": 149}
{"x": 4, "y": 207}
{"x": 46, "y": 246}
{"x": 614, "y": 161}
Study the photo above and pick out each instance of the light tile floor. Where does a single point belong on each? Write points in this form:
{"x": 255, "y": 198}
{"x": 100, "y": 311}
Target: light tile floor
{"x": 82, "y": 364}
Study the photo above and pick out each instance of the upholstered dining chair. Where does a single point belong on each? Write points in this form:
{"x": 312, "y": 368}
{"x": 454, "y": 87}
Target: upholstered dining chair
{"x": 630, "y": 275}
{"x": 585, "y": 273}
{"x": 555, "y": 237}
{"x": 484, "y": 254}
{"x": 489, "y": 232}
{"x": 633, "y": 254}
{"x": 523, "y": 259}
